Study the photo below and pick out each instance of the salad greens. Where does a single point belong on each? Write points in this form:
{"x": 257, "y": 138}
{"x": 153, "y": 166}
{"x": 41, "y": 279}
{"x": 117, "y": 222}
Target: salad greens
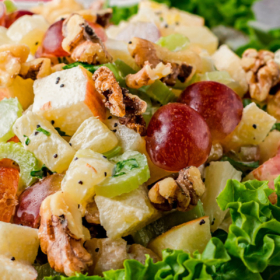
{"x": 41, "y": 173}
{"x": 251, "y": 249}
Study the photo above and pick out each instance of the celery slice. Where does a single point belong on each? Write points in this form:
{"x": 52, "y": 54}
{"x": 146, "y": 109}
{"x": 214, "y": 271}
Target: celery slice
{"x": 131, "y": 170}
{"x": 10, "y": 110}
{"x": 26, "y": 160}
{"x": 158, "y": 227}
{"x": 174, "y": 42}
{"x": 113, "y": 153}
{"x": 10, "y": 6}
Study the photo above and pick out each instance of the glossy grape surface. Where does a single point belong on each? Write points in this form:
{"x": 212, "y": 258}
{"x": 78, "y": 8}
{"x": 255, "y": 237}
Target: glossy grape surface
{"x": 177, "y": 137}
{"x": 219, "y": 105}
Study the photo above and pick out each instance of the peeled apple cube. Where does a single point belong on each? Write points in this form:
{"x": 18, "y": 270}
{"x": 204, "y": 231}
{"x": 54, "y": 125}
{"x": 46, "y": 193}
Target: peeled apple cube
{"x": 270, "y": 146}
{"x": 216, "y": 176}
{"x": 19, "y": 242}
{"x": 14, "y": 270}
{"x": 68, "y": 98}
{"x": 10, "y": 110}
{"x": 95, "y": 135}
{"x": 24, "y": 25}
{"x": 189, "y": 237}
{"x": 125, "y": 214}
{"x": 252, "y": 129}
{"x": 87, "y": 169}
{"x": 51, "y": 149}
{"x": 226, "y": 60}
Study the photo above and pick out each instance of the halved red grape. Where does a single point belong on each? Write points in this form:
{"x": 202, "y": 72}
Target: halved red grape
{"x": 12, "y": 17}
{"x": 2, "y": 14}
{"x": 219, "y": 105}
{"x": 178, "y": 137}
{"x": 27, "y": 211}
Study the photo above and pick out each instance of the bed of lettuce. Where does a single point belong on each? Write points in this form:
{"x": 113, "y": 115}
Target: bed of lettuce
{"x": 250, "y": 250}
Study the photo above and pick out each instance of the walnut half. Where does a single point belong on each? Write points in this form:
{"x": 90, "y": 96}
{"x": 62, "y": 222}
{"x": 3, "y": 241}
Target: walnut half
{"x": 62, "y": 235}
{"x": 182, "y": 193}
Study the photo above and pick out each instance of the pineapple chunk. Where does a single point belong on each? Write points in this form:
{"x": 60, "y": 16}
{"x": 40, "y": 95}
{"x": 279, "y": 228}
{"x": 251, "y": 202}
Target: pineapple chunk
{"x": 124, "y": 214}
{"x": 226, "y": 60}
{"x": 19, "y": 242}
{"x": 270, "y": 146}
{"x": 200, "y": 36}
{"x": 4, "y": 39}
{"x": 94, "y": 135}
{"x": 216, "y": 176}
{"x": 14, "y": 270}
{"x": 189, "y": 237}
{"x": 51, "y": 150}
{"x": 252, "y": 129}
{"x": 86, "y": 170}
{"x": 68, "y": 98}
{"x": 33, "y": 39}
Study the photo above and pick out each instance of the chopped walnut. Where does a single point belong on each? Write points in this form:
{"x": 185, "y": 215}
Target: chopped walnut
{"x": 273, "y": 105}
{"x": 19, "y": 51}
{"x": 216, "y": 152}
{"x": 147, "y": 75}
{"x": 64, "y": 248}
{"x": 262, "y": 72}
{"x": 119, "y": 101}
{"x": 145, "y": 51}
{"x": 36, "y": 69}
{"x": 92, "y": 213}
{"x": 139, "y": 252}
{"x": 82, "y": 42}
{"x": 182, "y": 193}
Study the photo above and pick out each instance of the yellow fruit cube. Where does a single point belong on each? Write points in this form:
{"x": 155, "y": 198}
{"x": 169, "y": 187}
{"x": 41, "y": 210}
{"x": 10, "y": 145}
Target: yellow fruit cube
{"x": 124, "y": 214}
{"x": 33, "y": 39}
{"x": 87, "y": 169}
{"x": 252, "y": 129}
{"x": 44, "y": 141}
{"x": 216, "y": 176}
{"x": 19, "y": 242}
{"x": 68, "y": 98}
{"x": 15, "y": 270}
{"x": 189, "y": 237}
{"x": 95, "y": 135}
{"x": 270, "y": 146}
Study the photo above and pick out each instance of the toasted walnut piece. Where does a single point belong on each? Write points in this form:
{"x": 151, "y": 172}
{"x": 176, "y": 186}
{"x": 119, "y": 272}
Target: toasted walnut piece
{"x": 92, "y": 213}
{"x": 82, "y": 42}
{"x": 147, "y": 75}
{"x": 139, "y": 252}
{"x": 17, "y": 50}
{"x": 65, "y": 250}
{"x": 36, "y": 69}
{"x": 182, "y": 194}
{"x": 273, "y": 106}
{"x": 119, "y": 101}
{"x": 262, "y": 72}
{"x": 184, "y": 64}
{"x": 216, "y": 152}
{"x": 106, "y": 254}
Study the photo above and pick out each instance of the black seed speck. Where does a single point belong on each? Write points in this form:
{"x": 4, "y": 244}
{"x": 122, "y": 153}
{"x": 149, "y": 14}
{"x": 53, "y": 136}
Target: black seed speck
{"x": 97, "y": 250}
{"x": 70, "y": 144}
{"x": 79, "y": 206}
{"x": 38, "y": 126}
{"x": 202, "y": 222}
{"x": 130, "y": 42}
{"x": 36, "y": 133}
{"x": 75, "y": 158}
{"x": 114, "y": 130}
{"x": 105, "y": 173}
{"x": 13, "y": 258}
{"x": 80, "y": 182}
{"x": 52, "y": 122}
{"x": 254, "y": 126}
{"x": 36, "y": 43}
{"x": 57, "y": 80}
{"x": 55, "y": 155}
{"x": 212, "y": 222}
{"x": 62, "y": 85}
{"x": 104, "y": 156}
{"x": 115, "y": 124}
{"x": 110, "y": 117}
{"x": 166, "y": 25}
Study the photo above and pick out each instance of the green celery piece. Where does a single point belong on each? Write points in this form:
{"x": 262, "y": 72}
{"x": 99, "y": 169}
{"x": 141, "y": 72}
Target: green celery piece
{"x": 165, "y": 223}
{"x": 174, "y": 42}
{"x": 10, "y": 6}
{"x": 89, "y": 67}
{"x": 44, "y": 271}
{"x": 25, "y": 159}
{"x": 10, "y": 110}
{"x": 131, "y": 171}
{"x": 113, "y": 153}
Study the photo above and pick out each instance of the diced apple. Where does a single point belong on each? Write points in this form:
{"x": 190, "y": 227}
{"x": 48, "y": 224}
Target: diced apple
{"x": 252, "y": 129}
{"x": 33, "y": 39}
{"x": 68, "y": 98}
{"x": 226, "y": 60}
{"x": 189, "y": 237}
{"x": 270, "y": 146}
{"x": 4, "y": 39}
{"x": 216, "y": 176}
{"x": 124, "y": 214}
{"x": 20, "y": 88}
{"x": 95, "y": 135}
{"x": 14, "y": 270}
{"x": 48, "y": 146}
{"x": 19, "y": 242}
{"x": 200, "y": 36}
{"x": 87, "y": 169}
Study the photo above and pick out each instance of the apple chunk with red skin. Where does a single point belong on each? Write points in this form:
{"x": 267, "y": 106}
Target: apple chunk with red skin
{"x": 28, "y": 208}
{"x": 67, "y": 98}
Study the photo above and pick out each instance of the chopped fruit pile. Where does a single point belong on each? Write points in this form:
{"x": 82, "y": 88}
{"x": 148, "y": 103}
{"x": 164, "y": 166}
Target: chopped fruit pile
{"x": 142, "y": 150}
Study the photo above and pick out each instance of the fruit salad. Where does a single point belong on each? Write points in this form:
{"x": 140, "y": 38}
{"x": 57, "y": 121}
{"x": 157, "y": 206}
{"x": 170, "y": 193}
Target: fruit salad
{"x": 143, "y": 150}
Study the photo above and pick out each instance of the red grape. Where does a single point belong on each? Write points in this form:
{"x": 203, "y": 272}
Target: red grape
{"x": 219, "y": 105}
{"x": 12, "y": 17}
{"x": 27, "y": 211}
{"x": 2, "y": 14}
{"x": 178, "y": 137}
